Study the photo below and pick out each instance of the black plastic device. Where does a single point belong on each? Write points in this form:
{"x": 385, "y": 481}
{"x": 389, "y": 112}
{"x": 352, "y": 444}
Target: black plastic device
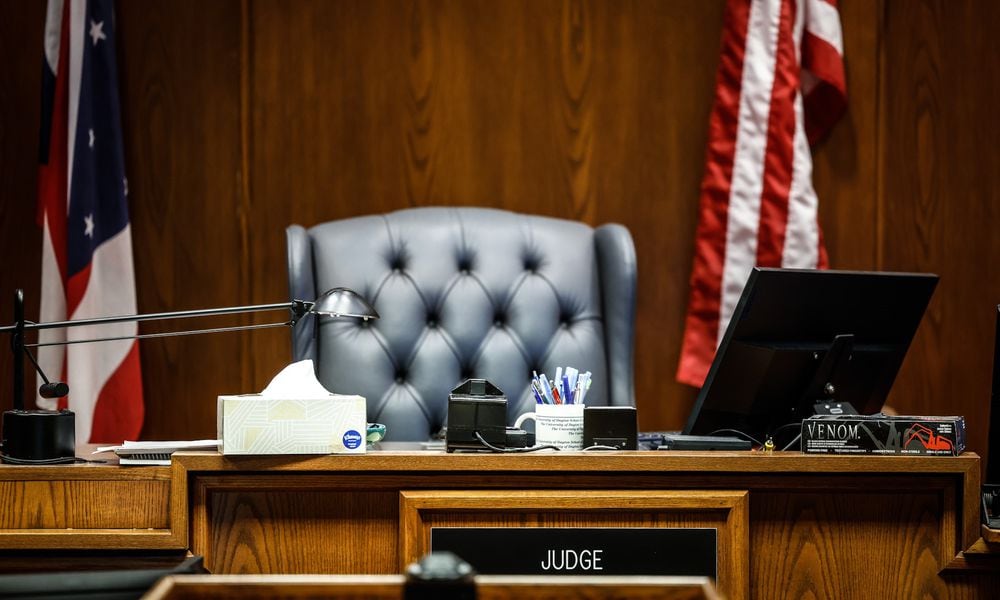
{"x": 677, "y": 441}
{"x": 613, "y": 426}
{"x": 39, "y": 436}
{"x": 476, "y": 406}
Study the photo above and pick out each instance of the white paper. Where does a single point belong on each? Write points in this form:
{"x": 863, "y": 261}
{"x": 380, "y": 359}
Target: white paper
{"x": 168, "y": 446}
{"x": 297, "y": 380}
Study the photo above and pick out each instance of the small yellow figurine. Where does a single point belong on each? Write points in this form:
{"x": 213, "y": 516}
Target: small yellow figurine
{"x": 769, "y": 446}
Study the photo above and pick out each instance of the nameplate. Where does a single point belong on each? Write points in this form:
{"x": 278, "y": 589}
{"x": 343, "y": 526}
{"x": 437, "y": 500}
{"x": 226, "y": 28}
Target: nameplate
{"x": 582, "y": 551}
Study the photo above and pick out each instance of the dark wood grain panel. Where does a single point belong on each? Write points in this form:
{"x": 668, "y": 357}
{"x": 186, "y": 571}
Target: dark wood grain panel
{"x": 845, "y": 165}
{"x": 806, "y": 545}
{"x": 649, "y": 133}
{"x": 21, "y": 28}
{"x": 83, "y": 504}
{"x": 180, "y": 75}
{"x": 300, "y": 531}
{"x": 939, "y": 158}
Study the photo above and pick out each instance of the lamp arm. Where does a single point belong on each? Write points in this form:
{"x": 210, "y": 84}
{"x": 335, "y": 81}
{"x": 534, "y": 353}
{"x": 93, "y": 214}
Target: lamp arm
{"x": 145, "y": 336}
{"x": 298, "y": 308}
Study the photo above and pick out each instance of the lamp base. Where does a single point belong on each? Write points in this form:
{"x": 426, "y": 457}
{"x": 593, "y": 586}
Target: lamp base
{"x": 39, "y": 436}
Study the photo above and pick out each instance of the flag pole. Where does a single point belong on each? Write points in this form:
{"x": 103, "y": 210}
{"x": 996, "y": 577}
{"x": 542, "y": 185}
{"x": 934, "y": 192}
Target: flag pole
{"x": 17, "y": 346}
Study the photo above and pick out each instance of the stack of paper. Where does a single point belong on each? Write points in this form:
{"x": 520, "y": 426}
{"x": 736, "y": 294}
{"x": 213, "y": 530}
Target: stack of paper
{"x": 154, "y": 453}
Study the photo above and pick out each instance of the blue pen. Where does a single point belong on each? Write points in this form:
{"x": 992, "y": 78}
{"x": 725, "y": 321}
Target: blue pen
{"x": 536, "y": 387}
{"x": 569, "y": 391}
{"x": 534, "y": 390}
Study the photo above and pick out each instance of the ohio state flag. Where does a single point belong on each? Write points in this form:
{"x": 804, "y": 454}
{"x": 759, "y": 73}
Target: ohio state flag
{"x": 87, "y": 266}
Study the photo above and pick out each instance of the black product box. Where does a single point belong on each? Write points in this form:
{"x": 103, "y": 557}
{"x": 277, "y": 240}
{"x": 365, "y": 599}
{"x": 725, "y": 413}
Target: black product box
{"x": 883, "y": 434}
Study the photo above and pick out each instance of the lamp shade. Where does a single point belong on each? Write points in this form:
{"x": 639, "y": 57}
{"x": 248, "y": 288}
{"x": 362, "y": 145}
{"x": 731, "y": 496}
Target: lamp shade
{"x": 343, "y": 302}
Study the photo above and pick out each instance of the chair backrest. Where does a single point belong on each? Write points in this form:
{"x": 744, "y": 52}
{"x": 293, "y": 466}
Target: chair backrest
{"x": 465, "y": 292}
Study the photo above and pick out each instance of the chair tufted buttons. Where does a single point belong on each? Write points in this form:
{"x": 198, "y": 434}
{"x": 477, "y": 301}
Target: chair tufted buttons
{"x": 431, "y": 322}
{"x": 400, "y": 376}
{"x": 531, "y": 263}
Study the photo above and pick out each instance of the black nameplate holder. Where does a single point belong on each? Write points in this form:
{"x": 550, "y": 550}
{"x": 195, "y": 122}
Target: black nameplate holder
{"x": 691, "y": 552}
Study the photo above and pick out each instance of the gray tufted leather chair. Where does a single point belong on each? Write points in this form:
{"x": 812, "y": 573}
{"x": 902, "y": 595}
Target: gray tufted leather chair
{"x": 465, "y": 292}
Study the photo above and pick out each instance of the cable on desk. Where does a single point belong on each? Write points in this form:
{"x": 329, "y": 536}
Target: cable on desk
{"x": 63, "y": 460}
{"x": 739, "y": 433}
{"x": 483, "y": 441}
{"x": 794, "y": 441}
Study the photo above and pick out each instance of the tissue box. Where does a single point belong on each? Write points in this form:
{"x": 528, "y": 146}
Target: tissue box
{"x": 253, "y": 424}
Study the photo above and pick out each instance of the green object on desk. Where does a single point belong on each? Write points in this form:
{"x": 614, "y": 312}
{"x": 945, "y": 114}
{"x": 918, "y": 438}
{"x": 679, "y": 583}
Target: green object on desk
{"x": 375, "y": 434}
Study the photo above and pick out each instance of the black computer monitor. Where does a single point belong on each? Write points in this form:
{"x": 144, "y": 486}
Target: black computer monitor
{"x": 993, "y": 444}
{"x": 802, "y": 337}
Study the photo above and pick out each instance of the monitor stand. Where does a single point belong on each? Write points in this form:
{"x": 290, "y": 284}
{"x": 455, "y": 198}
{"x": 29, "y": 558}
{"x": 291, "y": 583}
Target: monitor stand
{"x": 822, "y": 390}
{"x": 834, "y": 408}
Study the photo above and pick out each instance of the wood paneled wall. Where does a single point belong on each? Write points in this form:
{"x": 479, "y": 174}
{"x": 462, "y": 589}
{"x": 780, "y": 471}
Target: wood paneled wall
{"x": 242, "y": 117}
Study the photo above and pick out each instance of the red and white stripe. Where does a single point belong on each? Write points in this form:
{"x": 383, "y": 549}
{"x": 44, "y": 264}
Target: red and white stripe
{"x": 104, "y": 378}
{"x": 758, "y": 206}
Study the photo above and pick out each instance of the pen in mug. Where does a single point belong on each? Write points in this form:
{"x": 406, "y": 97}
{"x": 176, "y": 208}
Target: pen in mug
{"x": 547, "y": 388}
{"x": 534, "y": 391}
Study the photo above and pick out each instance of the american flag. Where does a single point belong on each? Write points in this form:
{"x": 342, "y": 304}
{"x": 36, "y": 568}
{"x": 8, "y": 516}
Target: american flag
{"x": 779, "y": 87}
{"x": 87, "y": 266}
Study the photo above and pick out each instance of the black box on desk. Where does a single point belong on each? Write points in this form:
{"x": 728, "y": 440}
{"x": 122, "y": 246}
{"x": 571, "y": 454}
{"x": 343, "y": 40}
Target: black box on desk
{"x": 612, "y": 426}
{"x": 883, "y": 434}
{"x": 476, "y": 406}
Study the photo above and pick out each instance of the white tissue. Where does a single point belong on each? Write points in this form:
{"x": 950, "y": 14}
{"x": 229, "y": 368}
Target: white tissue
{"x": 297, "y": 380}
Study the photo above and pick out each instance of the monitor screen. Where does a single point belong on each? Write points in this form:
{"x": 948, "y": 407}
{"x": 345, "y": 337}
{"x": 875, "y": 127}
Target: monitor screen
{"x": 798, "y": 338}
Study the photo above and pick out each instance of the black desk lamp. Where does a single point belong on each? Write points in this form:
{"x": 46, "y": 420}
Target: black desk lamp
{"x": 47, "y": 436}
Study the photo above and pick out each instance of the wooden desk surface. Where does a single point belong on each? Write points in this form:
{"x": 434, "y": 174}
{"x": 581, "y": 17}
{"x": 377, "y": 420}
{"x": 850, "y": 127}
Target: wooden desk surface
{"x": 814, "y": 522}
{"x": 104, "y": 505}
{"x": 409, "y": 458}
{"x": 391, "y": 587}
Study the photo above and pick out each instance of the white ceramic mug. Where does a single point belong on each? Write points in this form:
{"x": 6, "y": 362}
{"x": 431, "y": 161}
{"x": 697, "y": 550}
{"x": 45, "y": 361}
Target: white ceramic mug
{"x": 558, "y": 425}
